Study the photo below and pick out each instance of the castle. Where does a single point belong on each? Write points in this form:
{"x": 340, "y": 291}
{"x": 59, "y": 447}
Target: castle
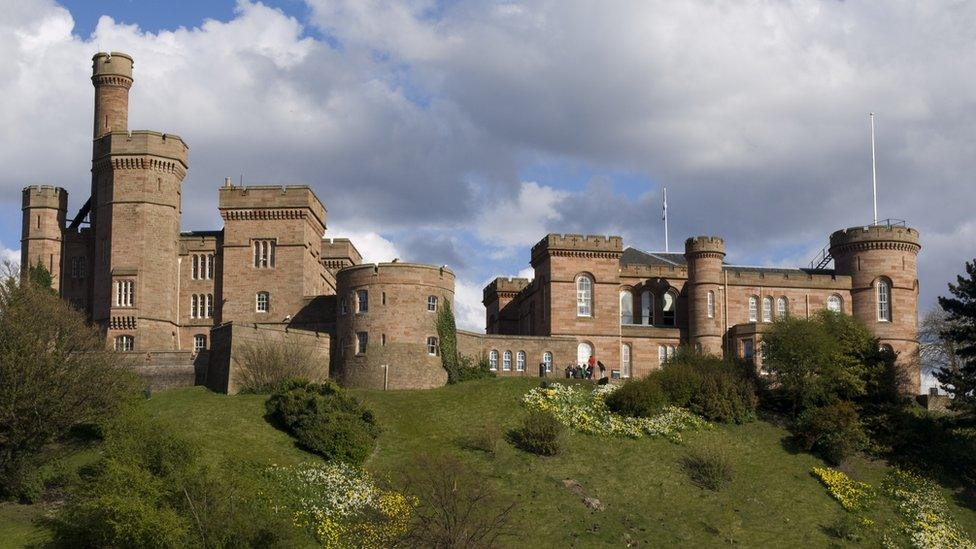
{"x": 182, "y": 304}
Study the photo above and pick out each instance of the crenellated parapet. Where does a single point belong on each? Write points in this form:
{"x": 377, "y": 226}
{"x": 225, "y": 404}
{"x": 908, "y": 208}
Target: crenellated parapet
{"x": 653, "y": 271}
{"x": 577, "y": 245}
{"x": 876, "y": 237}
{"x": 505, "y": 287}
{"x": 45, "y": 196}
{"x": 705, "y": 246}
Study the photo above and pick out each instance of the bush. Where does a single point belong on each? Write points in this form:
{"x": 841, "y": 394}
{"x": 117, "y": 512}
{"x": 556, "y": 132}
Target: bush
{"x": 55, "y": 374}
{"x": 469, "y": 370}
{"x": 639, "y": 397}
{"x": 485, "y": 439}
{"x": 540, "y": 433}
{"x": 324, "y": 419}
{"x": 834, "y": 431}
{"x": 708, "y": 467}
{"x": 725, "y": 397}
{"x": 263, "y": 366}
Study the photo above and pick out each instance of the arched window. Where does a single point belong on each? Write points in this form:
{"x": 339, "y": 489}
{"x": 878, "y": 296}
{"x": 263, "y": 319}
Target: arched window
{"x": 432, "y": 346}
{"x": 432, "y": 303}
{"x": 194, "y": 305}
{"x": 124, "y": 343}
{"x": 884, "y": 347}
{"x": 626, "y": 307}
{"x": 667, "y": 308}
{"x": 767, "y": 309}
{"x": 625, "y": 360}
{"x": 210, "y": 306}
{"x": 834, "y": 304}
{"x": 262, "y": 302}
{"x": 671, "y": 351}
{"x": 507, "y": 361}
{"x": 884, "y": 300}
{"x": 584, "y": 296}
{"x": 662, "y": 354}
{"x": 547, "y": 360}
{"x": 199, "y": 343}
{"x": 583, "y": 353}
{"x": 195, "y": 260}
{"x": 520, "y": 361}
{"x": 710, "y": 304}
{"x": 753, "y": 308}
{"x": 782, "y": 307}
{"x": 493, "y": 360}
{"x": 647, "y": 307}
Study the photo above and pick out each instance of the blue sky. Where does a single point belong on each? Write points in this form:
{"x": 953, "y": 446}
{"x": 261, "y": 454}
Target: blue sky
{"x": 460, "y": 133}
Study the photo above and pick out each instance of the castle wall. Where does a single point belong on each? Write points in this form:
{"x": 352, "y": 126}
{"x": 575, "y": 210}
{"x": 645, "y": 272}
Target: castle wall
{"x": 397, "y": 324}
{"x": 563, "y": 349}
{"x": 77, "y": 262}
{"x": 201, "y": 247}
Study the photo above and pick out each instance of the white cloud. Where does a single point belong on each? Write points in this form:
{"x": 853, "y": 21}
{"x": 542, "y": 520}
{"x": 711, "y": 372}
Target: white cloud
{"x": 372, "y": 246}
{"x": 469, "y": 313}
{"x": 521, "y": 220}
{"x": 6, "y": 254}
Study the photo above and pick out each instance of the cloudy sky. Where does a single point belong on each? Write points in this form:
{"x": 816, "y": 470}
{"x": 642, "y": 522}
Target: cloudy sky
{"x": 456, "y": 132}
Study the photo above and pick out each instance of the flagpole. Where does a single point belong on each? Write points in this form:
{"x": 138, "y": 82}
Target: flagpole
{"x": 666, "y": 249}
{"x": 874, "y": 173}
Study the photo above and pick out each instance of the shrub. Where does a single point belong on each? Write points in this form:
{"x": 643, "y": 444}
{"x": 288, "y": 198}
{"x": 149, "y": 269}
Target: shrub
{"x": 725, "y": 397}
{"x": 55, "y": 374}
{"x": 458, "y": 508}
{"x": 680, "y": 381}
{"x": 540, "y": 433}
{"x": 639, "y": 397}
{"x": 834, "y": 431}
{"x": 708, "y": 467}
{"x": 485, "y": 439}
{"x": 469, "y": 369}
{"x": 324, "y": 419}
{"x": 264, "y": 365}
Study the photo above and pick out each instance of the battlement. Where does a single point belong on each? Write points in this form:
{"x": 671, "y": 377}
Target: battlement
{"x": 271, "y": 197}
{"x": 340, "y": 248}
{"x": 395, "y": 273}
{"x": 45, "y": 196}
{"x": 873, "y": 237}
{"x": 654, "y": 271}
{"x": 112, "y": 68}
{"x": 504, "y": 285}
{"x": 142, "y": 142}
{"x": 705, "y": 245}
{"x": 785, "y": 278}
{"x": 578, "y": 245}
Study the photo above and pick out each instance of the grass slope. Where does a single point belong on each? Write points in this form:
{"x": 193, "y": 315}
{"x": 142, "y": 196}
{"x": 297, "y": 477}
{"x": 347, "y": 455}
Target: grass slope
{"x": 773, "y": 500}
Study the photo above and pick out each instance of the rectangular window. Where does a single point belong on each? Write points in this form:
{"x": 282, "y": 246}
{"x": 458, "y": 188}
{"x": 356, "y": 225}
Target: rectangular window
{"x": 748, "y": 348}
{"x": 362, "y": 339}
{"x": 432, "y": 346}
{"x": 124, "y": 293}
{"x": 362, "y": 301}
{"x": 343, "y": 306}
{"x": 210, "y": 306}
{"x": 625, "y": 360}
{"x": 199, "y": 343}
{"x": 124, "y": 343}
{"x": 710, "y": 305}
{"x": 194, "y": 304}
{"x": 210, "y": 266}
{"x": 264, "y": 254}
{"x": 262, "y": 303}
{"x": 431, "y": 303}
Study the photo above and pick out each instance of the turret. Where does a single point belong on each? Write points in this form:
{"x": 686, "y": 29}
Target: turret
{"x": 44, "y": 211}
{"x": 112, "y": 78}
{"x": 882, "y": 263}
{"x": 705, "y": 255}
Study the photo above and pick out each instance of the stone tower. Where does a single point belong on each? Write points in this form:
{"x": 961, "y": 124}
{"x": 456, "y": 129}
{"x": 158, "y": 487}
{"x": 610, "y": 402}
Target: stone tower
{"x": 44, "y": 211}
{"x": 882, "y": 263}
{"x": 135, "y": 216}
{"x": 704, "y": 255}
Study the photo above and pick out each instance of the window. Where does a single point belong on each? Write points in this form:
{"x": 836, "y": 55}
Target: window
{"x": 626, "y": 307}
{"x": 547, "y": 360}
{"x": 263, "y": 302}
{"x": 584, "y": 296}
{"x": 432, "y": 346}
{"x": 74, "y": 267}
{"x": 210, "y": 306}
{"x": 264, "y": 254}
{"x": 710, "y": 304}
{"x": 202, "y": 266}
{"x": 124, "y": 343}
{"x": 432, "y": 303}
{"x": 194, "y": 305}
{"x": 82, "y": 267}
{"x": 199, "y": 343}
{"x": 210, "y": 266}
{"x": 493, "y": 360}
{"x": 625, "y": 360}
{"x": 124, "y": 290}
{"x": 362, "y": 301}
{"x": 667, "y": 308}
{"x": 767, "y": 309}
{"x": 362, "y": 339}
{"x": 884, "y": 300}
{"x": 748, "y": 348}
{"x": 662, "y": 354}
{"x": 834, "y": 304}
{"x": 520, "y": 361}
{"x": 382, "y": 339}
{"x": 195, "y": 271}
{"x": 782, "y": 307}
{"x": 647, "y": 307}
{"x": 671, "y": 350}
{"x": 583, "y": 353}
{"x": 753, "y": 308}
{"x": 383, "y": 298}
{"x": 507, "y": 361}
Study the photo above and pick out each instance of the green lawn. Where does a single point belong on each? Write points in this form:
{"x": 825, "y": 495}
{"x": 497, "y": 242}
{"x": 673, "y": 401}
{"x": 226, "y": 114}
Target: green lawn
{"x": 773, "y": 500}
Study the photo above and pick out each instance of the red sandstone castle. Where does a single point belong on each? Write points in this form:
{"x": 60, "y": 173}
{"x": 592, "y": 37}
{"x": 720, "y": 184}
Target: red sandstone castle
{"x": 182, "y": 303}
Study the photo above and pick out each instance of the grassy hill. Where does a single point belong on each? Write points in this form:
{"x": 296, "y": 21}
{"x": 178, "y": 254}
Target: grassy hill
{"x": 773, "y": 500}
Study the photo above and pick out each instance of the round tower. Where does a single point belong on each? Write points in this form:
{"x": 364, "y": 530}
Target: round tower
{"x": 112, "y": 78}
{"x": 882, "y": 263}
{"x": 704, "y": 255}
{"x": 44, "y": 211}
{"x": 386, "y": 314}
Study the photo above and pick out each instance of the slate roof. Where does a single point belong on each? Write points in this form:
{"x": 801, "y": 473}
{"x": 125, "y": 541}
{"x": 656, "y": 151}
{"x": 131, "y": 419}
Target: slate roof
{"x": 633, "y": 256}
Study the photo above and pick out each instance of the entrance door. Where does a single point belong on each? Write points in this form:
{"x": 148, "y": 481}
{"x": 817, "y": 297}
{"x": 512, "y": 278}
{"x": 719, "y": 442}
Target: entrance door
{"x": 583, "y": 353}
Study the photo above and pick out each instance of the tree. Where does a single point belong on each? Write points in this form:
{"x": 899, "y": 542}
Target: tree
{"x": 958, "y": 378}
{"x": 39, "y": 276}
{"x": 55, "y": 373}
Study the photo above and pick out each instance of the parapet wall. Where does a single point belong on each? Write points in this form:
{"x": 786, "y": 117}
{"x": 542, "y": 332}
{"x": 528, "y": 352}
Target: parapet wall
{"x": 272, "y": 197}
{"x": 112, "y": 64}
{"x": 577, "y": 245}
{"x": 142, "y": 142}
{"x": 787, "y": 278}
{"x": 503, "y": 285}
{"x": 705, "y": 245}
{"x": 874, "y": 237}
{"x": 45, "y": 196}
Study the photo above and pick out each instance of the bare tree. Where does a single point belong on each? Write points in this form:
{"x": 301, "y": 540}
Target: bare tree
{"x": 936, "y": 352}
{"x": 265, "y": 363}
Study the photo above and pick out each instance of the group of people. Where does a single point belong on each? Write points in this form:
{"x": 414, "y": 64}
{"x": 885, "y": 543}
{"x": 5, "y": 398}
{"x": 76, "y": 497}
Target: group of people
{"x": 587, "y": 370}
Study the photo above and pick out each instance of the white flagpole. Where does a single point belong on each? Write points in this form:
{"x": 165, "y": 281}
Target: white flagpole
{"x": 874, "y": 173}
{"x": 666, "y": 249}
